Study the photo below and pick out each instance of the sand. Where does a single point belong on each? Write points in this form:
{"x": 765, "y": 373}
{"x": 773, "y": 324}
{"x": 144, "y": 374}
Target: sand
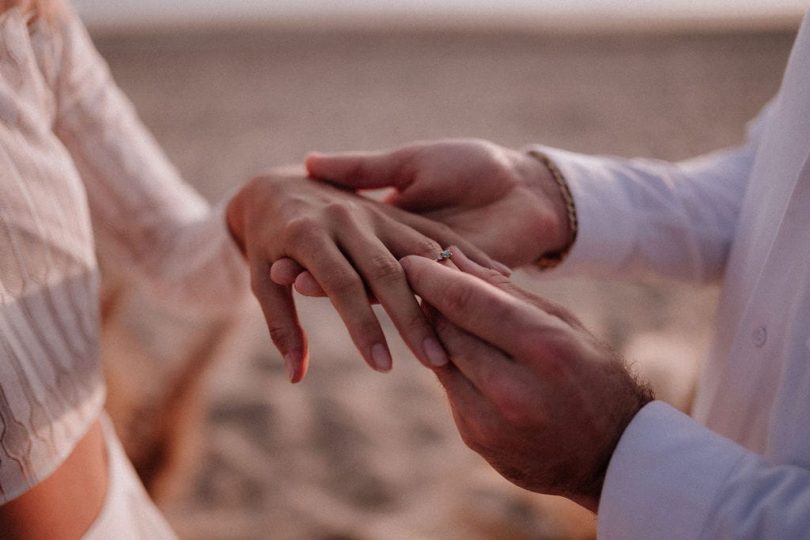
{"x": 349, "y": 453}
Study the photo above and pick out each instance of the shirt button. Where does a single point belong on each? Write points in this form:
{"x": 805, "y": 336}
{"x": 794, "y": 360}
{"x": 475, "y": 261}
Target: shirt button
{"x": 760, "y": 336}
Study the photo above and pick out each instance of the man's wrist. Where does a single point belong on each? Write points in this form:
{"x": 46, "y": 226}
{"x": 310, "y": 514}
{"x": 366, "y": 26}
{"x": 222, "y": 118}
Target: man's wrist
{"x": 591, "y": 491}
{"x": 556, "y": 191}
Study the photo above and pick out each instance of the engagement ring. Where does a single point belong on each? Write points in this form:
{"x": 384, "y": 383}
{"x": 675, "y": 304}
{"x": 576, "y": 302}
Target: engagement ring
{"x": 445, "y": 255}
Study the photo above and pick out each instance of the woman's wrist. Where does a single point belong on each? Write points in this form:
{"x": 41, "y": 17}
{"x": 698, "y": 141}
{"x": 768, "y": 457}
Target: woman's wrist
{"x": 234, "y": 219}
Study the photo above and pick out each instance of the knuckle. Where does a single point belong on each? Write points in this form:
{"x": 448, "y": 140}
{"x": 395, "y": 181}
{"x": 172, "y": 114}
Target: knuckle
{"x": 502, "y": 171}
{"x": 515, "y": 411}
{"x": 457, "y": 297}
{"x": 551, "y": 352}
{"x": 386, "y": 269}
{"x": 343, "y": 282}
{"x": 427, "y": 247}
{"x": 299, "y": 230}
{"x": 510, "y": 401}
{"x": 279, "y": 334}
{"x": 560, "y": 347}
{"x": 555, "y": 367}
{"x": 341, "y": 211}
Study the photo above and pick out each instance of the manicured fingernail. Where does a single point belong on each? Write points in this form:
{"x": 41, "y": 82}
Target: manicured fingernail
{"x": 289, "y": 361}
{"x": 381, "y": 357}
{"x": 435, "y": 352}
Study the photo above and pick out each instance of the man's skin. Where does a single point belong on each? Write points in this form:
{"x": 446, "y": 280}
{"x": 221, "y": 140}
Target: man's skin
{"x": 503, "y": 201}
{"x": 531, "y": 389}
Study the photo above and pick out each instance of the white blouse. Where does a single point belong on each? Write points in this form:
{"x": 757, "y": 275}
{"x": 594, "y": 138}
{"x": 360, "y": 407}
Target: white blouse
{"x": 80, "y": 175}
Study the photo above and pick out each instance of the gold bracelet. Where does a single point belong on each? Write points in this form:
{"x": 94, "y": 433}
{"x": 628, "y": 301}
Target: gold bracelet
{"x": 550, "y": 260}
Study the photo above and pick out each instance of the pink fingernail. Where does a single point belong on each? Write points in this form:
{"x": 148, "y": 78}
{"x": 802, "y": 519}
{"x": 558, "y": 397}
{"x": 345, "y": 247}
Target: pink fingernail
{"x": 435, "y": 352}
{"x": 381, "y": 357}
{"x": 290, "y": 361}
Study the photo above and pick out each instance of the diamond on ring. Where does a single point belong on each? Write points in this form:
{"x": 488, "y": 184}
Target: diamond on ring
{"x": 445, "y": 255}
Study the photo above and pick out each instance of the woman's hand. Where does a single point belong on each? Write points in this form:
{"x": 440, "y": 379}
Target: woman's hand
{"x": 531, "y": 390}
{"x": 351, "y": 246}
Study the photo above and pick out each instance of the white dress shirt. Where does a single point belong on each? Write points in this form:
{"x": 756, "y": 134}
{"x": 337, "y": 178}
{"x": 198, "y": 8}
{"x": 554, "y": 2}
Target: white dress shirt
{"x": 79, "y": 174}
{"x": 741, "y": 467}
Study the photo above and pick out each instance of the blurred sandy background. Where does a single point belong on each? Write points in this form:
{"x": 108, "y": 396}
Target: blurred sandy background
{"x": 352, "y": 454}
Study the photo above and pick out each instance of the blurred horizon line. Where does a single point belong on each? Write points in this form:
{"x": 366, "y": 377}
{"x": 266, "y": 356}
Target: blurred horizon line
{"x": 595, "y": 22}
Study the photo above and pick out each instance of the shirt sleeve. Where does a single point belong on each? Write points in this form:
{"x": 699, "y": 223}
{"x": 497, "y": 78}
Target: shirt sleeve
{"x": 148, "y": 223}
{"x": 643, "y": 215}
{"x": 672, "y": 478}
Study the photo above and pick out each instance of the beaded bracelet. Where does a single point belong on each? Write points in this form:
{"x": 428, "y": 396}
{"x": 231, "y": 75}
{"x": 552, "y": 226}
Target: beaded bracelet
{"x": 551, "y": 260}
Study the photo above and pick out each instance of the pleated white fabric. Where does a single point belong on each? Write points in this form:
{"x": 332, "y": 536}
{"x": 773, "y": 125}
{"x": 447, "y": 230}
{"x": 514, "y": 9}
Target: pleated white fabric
{"x": 80, "y": 176}
{"x": 128, "y": 513}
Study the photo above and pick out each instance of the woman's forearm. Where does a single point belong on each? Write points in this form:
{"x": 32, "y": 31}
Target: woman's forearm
{"x": 65, "y": 504}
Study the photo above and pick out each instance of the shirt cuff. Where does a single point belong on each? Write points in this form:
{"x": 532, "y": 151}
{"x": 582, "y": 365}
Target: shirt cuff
{"x": 605, "y": 226}
{"x": 664, "y": 477}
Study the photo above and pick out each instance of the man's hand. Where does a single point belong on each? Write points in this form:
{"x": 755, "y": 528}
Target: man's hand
{"x": 531, "y": 390}
{"x": 504, "y": 201}
{"x": 351, "y": 246}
